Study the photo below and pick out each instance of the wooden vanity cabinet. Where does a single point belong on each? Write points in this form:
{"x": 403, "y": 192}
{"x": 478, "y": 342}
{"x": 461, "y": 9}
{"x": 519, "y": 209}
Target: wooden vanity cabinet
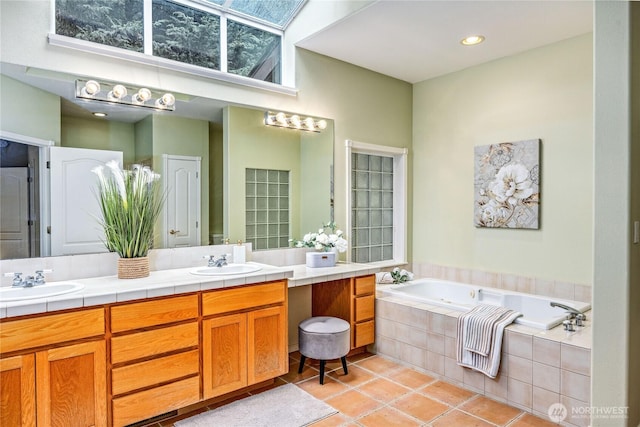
{"x": 67, "y": 350}
{"x": 350, "y": 299}
{"x": 155, "y": 357}
{"x": 244, "y": 337}
{"x": 364, "y": 301}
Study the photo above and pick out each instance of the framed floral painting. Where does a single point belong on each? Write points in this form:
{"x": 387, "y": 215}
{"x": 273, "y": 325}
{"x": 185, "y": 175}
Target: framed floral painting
{"x": 507, "y": 185}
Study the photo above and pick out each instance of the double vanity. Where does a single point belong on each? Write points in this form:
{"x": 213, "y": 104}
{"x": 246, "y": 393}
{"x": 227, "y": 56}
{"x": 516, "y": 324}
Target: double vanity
{"x": 117, "y": 352}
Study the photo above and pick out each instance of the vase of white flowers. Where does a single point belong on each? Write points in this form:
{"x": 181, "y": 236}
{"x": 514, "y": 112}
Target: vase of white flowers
{"x": 328, "y": 242}
{"x": 130, "y": 202}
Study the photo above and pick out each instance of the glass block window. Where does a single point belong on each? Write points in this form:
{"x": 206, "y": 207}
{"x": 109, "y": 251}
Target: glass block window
{"x": 371, "y": 208}
{"x": 117, "y": 23}
{"x": 252, "y": 52}
{"x": 267, "y": 208}
{"x": 185, "y": 34}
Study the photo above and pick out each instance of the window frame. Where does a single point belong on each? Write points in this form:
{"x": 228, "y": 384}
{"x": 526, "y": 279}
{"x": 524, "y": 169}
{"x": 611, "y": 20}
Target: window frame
{"x": 400, "y": 194}
{"x": 147, "y": 57}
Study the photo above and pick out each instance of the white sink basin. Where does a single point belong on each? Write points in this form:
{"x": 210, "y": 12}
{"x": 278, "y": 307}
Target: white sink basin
{"x": 39, "y": 291}
{"x": 227, "y": 270}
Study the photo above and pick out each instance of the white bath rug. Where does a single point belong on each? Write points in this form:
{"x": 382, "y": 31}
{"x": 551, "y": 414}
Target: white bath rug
{"x": 284, "y": 406}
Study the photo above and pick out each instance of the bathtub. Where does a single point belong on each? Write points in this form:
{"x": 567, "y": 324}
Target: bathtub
{"x": 536, "y": 310}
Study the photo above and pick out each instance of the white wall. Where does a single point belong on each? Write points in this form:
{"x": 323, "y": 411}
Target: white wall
{"x": 544, "y": 93}
{"x": 615, "y": 380}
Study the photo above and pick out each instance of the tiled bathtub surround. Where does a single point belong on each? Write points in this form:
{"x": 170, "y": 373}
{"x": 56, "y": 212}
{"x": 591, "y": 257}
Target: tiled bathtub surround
{"x": 538, "y": 368}
{"x": 511, "y": 282}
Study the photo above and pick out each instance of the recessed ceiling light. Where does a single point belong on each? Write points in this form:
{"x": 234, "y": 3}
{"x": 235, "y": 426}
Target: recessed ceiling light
{"x": 472, "y": 40}
{"x": 100, "y": 114}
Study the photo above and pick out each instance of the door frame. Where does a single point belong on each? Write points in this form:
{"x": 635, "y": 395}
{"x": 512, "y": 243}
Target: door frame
{"x": 45, "y": 196}
{"x": 165, "y": 186}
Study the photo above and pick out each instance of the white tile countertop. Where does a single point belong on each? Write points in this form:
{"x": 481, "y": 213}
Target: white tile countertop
{"x": 303, "y": 275}
{"x": 110, "y": 289}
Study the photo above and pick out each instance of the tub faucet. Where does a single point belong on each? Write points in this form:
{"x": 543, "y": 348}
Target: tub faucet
{"x": 572, "y": 311}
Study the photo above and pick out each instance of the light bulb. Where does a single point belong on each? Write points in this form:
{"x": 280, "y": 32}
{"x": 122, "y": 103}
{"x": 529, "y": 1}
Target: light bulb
{"x": 322, "y": 124}
{"x": 269, "y": 119}
{"x": 309, "y": 123}
{"x": 295, "y": 120}
{"x": 281, "y": 118}
{"x": 472, "y": 40}
{"x": 143, "y": 95}
{"x": 91, "y": 88}
{"x": 118, "y": 92}
{"x": 166, "y": 101}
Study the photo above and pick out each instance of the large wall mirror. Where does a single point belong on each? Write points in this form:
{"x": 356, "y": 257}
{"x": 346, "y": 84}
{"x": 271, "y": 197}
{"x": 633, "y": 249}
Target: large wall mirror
{"x": 259, "y": 184}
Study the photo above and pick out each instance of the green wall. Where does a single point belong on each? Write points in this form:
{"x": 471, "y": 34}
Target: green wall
{"x": 26, "y": 110}
{"x": 544, "y": 93}
{"x": 316, "y": 160}
{"x": 216, "y": 179}
{"x": 99, "y": 134}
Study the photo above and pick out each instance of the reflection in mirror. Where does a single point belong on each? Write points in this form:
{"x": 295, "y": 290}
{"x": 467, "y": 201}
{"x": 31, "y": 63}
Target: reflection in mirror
{"x": 282, "y": 177}
{"x": 19, "y": 204}
{"x": 231, "y": 141}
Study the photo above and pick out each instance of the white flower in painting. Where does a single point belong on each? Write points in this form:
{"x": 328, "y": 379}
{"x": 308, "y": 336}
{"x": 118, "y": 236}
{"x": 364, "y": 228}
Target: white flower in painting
{"x": 512, "y": 184}
{"x": 493, "y": 213}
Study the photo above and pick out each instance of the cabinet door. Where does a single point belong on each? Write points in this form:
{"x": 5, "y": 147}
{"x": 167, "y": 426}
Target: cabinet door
{"x": 267, "y": 352}
{"x": 224, "y": 354}
{"x": 17, "y": 391}
{"x": 71, "y": 385}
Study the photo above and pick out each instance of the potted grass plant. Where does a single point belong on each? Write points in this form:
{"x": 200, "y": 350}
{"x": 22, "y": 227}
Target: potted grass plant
{"x": 130, "y": 201}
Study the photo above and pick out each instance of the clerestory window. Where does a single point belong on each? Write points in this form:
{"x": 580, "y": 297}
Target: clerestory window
{"x": 240, "y": 37}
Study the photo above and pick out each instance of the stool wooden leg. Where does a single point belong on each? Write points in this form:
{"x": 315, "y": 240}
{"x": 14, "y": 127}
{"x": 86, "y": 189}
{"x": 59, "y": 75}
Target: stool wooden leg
{"x": 344, "y": 364}
{"x": 301, "y": 367}
{"x": 322, "y": 362}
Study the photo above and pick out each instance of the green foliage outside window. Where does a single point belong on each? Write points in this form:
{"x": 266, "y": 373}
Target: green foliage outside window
{"x": 115, "y": 23}
{"x": 186, "y": 35}
{"x": 252, "y": 52}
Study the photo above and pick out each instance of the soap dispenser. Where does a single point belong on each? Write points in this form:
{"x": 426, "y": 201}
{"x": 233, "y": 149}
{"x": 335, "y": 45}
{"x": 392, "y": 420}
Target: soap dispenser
{"x": 239, "y": 253}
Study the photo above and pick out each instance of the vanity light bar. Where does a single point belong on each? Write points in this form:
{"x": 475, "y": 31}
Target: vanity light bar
{"x": 293, "y": 121}
{"x": 115, "y": 93}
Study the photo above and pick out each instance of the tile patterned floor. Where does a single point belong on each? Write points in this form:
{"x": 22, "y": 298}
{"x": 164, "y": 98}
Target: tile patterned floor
{"x": 378, "y": 392}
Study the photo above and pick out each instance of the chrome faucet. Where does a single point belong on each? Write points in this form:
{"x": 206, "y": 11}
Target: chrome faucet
{"x": 28, "y": 281}
{"x": 222, "y": 261}
{"x": 568, "y": 309}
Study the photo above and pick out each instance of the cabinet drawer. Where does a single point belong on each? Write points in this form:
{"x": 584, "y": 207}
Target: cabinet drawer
{"x": 364, "y": 334}
{"x": 51, "y": 329}
{"x": 235, "y": 299}
{"x": 151, "y": 343}
{"x": 364, "y": 307}
{"x": 146, "y": 404}
{"x": 364, "y": 285}
{"x": 156, "y": 371}
{"x": 152, "y": 313}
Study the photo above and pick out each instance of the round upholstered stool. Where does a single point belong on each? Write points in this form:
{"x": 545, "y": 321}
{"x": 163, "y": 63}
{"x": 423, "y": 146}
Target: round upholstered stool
{"x": 324, "y": 338}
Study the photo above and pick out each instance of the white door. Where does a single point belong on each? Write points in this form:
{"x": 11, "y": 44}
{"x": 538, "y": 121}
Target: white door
{"x": 182, "y": 208}
{"x": 75, "y": 211}
{"x": 14, "y": 213}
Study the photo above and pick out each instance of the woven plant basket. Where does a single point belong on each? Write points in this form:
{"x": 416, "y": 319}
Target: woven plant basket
{"x": 133, "y": 268}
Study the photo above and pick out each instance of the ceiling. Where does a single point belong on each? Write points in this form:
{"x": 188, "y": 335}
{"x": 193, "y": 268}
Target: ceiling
{"x": 415, "y": 40}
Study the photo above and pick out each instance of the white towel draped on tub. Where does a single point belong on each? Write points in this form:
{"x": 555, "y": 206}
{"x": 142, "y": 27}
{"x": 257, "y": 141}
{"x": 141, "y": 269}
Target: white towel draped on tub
{"x": 479, "y": 341}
